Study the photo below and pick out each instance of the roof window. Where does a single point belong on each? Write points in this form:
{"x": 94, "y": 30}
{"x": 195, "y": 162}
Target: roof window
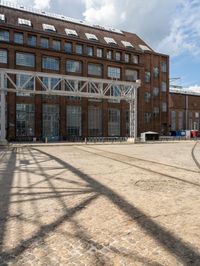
{"x": 92, "y": 37}
{"x": 110, "y": 40}
{"x": 24, "y": 22}
{"x": 127, "y": 44}
{"x": 48, "y": 27}
{"x": 70, "y": 32}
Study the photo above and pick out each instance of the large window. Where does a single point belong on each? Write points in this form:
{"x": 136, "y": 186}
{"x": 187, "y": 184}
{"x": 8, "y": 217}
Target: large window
{"x": 25, "y": 59}
{"x": 173, "y": 120}
{"x": 156, "y": 72}
{"x": 147, "y": 97}
{"x": 79, "y": 48}
{"x": 135, "y": 59}
{"x": 147, "y": 77}
{"x": 95, "y": 70}
{"x": 4, "y": 35}
{"x": 147, "y": 117}
{"x": 56, "y": 45}
{"x": 18, "y": 38}
{"x": 99, "y": 52}
{"x": 164, "y": 67}
{"x": 109, "y": 54}
{"x": 155, "y": 91}
{"x": 3, "y": 57}
{"x": 50, "y": 122}
{"x": 94, "y": 121}
{"x": 50, "y": 63}
{"x": 73, "y": 121}
{"x": 114, "y": 72}
{"x": 32, "y": 40}
{"x": 164, "y": 86}
{"x": 131, "y": 75}
{"x": 90, "y": 51}
{"x": 114, "y": 122}
{"x": 118, "y": 56}
{"x": 127, "y": 58}
{"x": 44, "y": 42}
{"x": 25, "y": 120}
{"x": 164, "y": 107}
{"x": 24, "y": 82}
{"x": 50, "y": 84}
{"x": 68, "y": 47}
{"x": 181, "y": 120}
{"x": 73, "y": 66}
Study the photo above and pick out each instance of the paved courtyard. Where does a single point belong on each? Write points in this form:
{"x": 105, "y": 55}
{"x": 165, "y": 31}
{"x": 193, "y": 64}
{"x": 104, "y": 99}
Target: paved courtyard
{"x": 100, "y": 205}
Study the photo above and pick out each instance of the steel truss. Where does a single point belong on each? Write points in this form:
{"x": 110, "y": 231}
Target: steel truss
{"x": 20, "y": 81}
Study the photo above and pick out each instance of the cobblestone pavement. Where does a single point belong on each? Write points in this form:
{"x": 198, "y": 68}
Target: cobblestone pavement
{"x": 100, "y": 205}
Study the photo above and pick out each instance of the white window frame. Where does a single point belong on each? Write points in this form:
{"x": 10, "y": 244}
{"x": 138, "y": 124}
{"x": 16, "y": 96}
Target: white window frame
{"x": 47, "y": 27}
{"x": 144, "y": 47}
{"x": 110, "y": 40}
{"x": 71, "y": 32}
{"x": 127, "y": 44}
{"x": 92, "y": 37}
{"x": 2, "y": 17}
{"x": 24, "y": 22}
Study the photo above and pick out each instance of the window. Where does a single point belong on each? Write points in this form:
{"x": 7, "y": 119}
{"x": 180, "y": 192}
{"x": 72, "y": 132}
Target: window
{"x": 48, "y": 27}
{"x": 110, "y": 41}
{"x": 79, "y": 48}
{"x": 68, "y": 47}
{"x": 25, "y": 59}
{"x": 127, "y": 44}
{"x": 147, "y": 76}
{"x": 164, "y": 107}
{"x": 135, "y": 59}
{"x": 24, "y": 22}
{"x": 18, "y": 38}
{"x": 25, "y": 82}
{"x": 118, "y": 56}
{"x": 127, "y": 122}
{"x": 32, "y": 40}
{"x": 131, "y": 75}
{"x": 127, "y": 58}
{"x": 3, "y": 57}
{"x": 4, "y": 35}
{"x": 50, "y": 121}
{"x": 94, "y": 121}
{"x": 73, "y": 66}
{"x": 181, "y": 120}
{"x": 91, "y": 37}
{"x": 109, "y": 54}
{"x": 56, "y": 45}
{"x": 173, "y": 120}
{"x": 25, "y": 120}
{"x": 73, "y": 121}
{"x": 163, "y": 67}
{"x": 164, "y": 86}
{"x": 114, "y": 72}
{"x": 156, "y": 111}
{"x": 90, "y": 51}
{"x": 50, "y": 63}
{"x": 144, "y": 48}
{"x": 155, "y": 91}
{"x": 50, "y": 84}
{"x": 113, "y": 122}
{"x": 191, "y": 120}
{"x": 2, "y": 18}
{"x": 99, "y": 52}
{"x": 147, "y": 97}
{"x": 95, "y": 70}
{"x": 71, "y": 32}
{"x": 44, "y": 42}
{"x": 147, "y": 117}
{"x": 156, "y": 72}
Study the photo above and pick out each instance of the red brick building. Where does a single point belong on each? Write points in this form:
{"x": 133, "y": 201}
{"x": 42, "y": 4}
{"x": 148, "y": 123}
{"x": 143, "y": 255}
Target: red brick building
{"x": 184, "y": 109}
{"x": 43, "y": 42}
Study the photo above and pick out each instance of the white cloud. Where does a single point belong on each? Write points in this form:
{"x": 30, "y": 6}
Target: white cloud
{"x": 195, "y": 88}
{"x": 171, "y": 26}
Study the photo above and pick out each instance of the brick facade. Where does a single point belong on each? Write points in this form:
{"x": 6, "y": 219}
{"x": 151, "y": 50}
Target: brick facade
{"x": 148, "y": 61}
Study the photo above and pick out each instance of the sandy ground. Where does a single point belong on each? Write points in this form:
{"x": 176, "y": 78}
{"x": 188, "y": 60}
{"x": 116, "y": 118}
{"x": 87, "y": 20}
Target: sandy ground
{"x": 100, "y": 204}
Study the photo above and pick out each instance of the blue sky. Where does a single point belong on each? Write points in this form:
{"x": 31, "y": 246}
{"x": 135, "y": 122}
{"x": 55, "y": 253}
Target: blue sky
{"x": 168, "y": 26}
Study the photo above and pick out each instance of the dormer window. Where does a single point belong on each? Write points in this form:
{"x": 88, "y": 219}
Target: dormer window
{"x": 2, "y": 18}
{"x": 24, "y": 22}
{"x": 110, "y": 41}
{"x": 48, "y": 27}
{"x": 127, "y": 44}
{"x": 70, "y": 32}
{"x": 91, "y": 37}
{"x": 144, "y": 47}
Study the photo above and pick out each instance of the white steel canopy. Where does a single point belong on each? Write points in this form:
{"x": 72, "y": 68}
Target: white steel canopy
{"x": 67, "y": 86}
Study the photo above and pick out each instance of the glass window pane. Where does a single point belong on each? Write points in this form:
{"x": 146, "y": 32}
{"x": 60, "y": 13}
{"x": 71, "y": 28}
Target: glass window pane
{"x": 94, "y": 121}
{"x": 73, "y": 121}
{"x": 99, "y": 52}
{"x": 114, "y": 72}
{"x": 79, "y": 48}
{"x": 73, "y": 66}
{"x": 44, "y": 42}
{"x": 25, "y": 120}
{"x": 25, "y": 59}
{"x": 68, "y": 47}
{"x": 18, "y": 38}
{"x": 50, "y": 63}
{"x": 114, "y": 122}
{"x": 3, "y": 56}
{"x": 4, "y": 35}
{"x": 56, "y": 45}
{"x": 32, "y": 40}
{"x": 95, "y": 69}
{"x": 131, "y": 75}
